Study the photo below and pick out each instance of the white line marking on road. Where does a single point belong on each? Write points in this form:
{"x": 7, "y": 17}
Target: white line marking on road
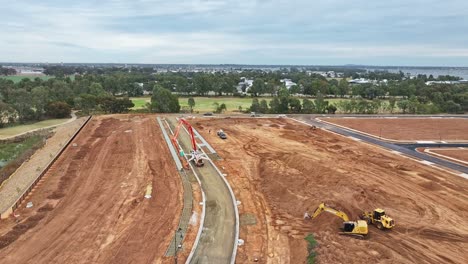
{"x": 425, "y": 142}
{"x": 434, "y": 117}
{"x": 391, "y": 117}
{"x": 355, "y": 139}
{"x": 464, "y": 175}
{"x": 444, "y": 142}
{"x": 348, "y": 117}
{"x": 396, "y": 152}
{"x": 426, "y": 162}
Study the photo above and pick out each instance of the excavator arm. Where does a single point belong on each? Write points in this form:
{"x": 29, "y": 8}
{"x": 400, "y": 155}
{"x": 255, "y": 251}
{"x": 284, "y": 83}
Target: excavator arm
{"x": 322, "y": 207}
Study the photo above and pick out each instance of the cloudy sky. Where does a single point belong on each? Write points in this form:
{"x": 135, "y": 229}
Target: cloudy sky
{"x": 391, "y": 32}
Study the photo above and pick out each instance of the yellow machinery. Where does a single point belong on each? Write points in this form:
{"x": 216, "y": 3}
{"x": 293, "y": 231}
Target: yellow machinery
{"x": 378, "y": 218}
{"x": 353, "y": 228}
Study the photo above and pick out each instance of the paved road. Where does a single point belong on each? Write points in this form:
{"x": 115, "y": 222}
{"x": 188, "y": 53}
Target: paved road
{"x": 407, "y": 149}
{"x": 218, "y": 238}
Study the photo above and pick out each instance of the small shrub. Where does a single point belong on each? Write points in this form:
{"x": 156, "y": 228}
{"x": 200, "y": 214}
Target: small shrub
{"x": 311, "y": 249}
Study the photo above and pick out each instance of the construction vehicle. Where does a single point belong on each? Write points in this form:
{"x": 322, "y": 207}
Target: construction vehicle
{"x": 196, "y": 155}
{"x": 352, "y": 228}
{"x": 378, "y": 218}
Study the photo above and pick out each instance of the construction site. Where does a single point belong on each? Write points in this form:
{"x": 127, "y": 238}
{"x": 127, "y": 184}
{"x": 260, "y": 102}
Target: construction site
{"x": 192, "y": 189}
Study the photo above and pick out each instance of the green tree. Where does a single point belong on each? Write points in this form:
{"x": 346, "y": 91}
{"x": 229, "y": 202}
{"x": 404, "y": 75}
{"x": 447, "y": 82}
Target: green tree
{"x": 255, "y": 107}
{"x": 96, "y": 89}
{"x": 21, "y": 101}
{"x": 275, "y": 105}
{"x": 163, "y": 101}
{"x": 263, "y": 106}
{"x": 331, "y": 109}
{"x": 320, "y": 103}
{"x": 295, "y": 105}
{"x": 7, "y": 114}
{"x": 258, "y": 87}
{"x": 116, "y": 105}
{"x": 58, "y": 110}
{"x": 391, "y": 104}
{"x": 308, "y": 107}
{"x": 86, "y": 103}
{"x": 403, "y": 105}
{"x": 191, "y": 103}
{"x": 40, "y": 98}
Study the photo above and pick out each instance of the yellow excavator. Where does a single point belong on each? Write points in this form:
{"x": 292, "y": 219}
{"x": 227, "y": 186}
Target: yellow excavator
{"x": 352, "y": 228}
{"x": 378, "y": 218}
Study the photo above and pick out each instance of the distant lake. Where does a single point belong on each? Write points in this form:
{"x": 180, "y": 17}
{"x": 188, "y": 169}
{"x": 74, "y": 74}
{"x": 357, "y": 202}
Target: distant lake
{"x": 460, "y": 72}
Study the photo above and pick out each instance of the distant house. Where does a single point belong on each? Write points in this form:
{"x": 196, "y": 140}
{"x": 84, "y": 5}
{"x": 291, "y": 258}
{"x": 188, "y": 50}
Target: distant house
{"x": 288, "y": 83}
{"x": 244, "y": 83}
{"x": 359, "y": 81}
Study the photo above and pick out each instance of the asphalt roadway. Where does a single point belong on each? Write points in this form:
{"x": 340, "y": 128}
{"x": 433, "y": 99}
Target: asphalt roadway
{"x": 218, "y": 237}
{"x": 406, "y": 149}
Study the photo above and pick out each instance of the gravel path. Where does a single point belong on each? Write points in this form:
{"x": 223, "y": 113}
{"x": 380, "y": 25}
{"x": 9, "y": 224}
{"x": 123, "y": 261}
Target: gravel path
{"x": 19, "y": 181}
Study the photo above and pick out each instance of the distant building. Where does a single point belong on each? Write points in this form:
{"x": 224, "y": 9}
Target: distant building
{"x": 359, "y": 81}
{"x": 288, "y": 83}
{"x": 244, "y": 83}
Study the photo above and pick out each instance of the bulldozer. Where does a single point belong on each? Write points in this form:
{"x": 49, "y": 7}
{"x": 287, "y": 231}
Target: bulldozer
{"x": 378, "y": 218}
{"x": 351, "y": 228}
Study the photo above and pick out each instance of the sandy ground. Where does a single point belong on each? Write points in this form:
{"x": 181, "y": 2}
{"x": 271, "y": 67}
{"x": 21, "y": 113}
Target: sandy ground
{"x": 456, "y": 153}
{"x": 445, "y": 129}
{"x": 90, "y": 208}
{"x": 280, "y": 169}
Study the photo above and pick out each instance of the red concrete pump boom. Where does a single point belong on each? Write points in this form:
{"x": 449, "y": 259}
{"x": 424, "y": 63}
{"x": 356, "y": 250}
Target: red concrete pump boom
{"x": 196, "y": 156}
{"x": 190, "y": 130}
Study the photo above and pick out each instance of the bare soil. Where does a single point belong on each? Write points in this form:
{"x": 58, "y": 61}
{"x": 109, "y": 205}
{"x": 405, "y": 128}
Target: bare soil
{"x": 456, "y": 153}
{"x": 445, "y": 129}
{"x": 90, "y": 208}
{"x": 280, "y": 169}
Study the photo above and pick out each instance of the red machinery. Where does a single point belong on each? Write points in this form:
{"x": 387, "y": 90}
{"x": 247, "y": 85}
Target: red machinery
{"x": 195, "y": 155}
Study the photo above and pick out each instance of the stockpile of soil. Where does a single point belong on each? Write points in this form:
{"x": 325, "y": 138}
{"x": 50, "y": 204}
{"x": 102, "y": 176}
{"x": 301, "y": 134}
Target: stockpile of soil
{"x": 280, "y": 169}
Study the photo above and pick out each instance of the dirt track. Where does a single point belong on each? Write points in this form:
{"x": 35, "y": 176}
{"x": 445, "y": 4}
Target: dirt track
{"x": 90, "y": 206}
{"x": 445, "y": 129}
{"x": 279, "y": 169}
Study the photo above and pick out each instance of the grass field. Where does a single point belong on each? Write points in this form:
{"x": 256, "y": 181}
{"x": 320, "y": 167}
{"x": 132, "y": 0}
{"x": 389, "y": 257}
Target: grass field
{"x": 205, "y": 104}
{"x": 15, "y": 130}
{"x": 140, "y": 102}
{"x": 18, "y": 78}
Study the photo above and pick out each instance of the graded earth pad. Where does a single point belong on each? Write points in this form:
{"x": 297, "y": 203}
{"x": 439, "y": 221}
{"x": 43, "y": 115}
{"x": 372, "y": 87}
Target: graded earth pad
{"x": 90, "y": 207}
{"x": 454, "y": 153}
{"x": 279, "y": 169}
{"x": 414, "y": 129}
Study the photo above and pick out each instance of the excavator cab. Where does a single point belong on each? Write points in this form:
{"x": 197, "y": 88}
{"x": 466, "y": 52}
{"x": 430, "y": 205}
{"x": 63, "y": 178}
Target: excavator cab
{"x": 348, "y": 226}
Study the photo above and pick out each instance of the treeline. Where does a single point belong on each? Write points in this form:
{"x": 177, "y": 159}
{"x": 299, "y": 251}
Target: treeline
{"x": 285, "y": 103}
{"x": 37, "y": 99}
{"x": 7, "y": 71}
